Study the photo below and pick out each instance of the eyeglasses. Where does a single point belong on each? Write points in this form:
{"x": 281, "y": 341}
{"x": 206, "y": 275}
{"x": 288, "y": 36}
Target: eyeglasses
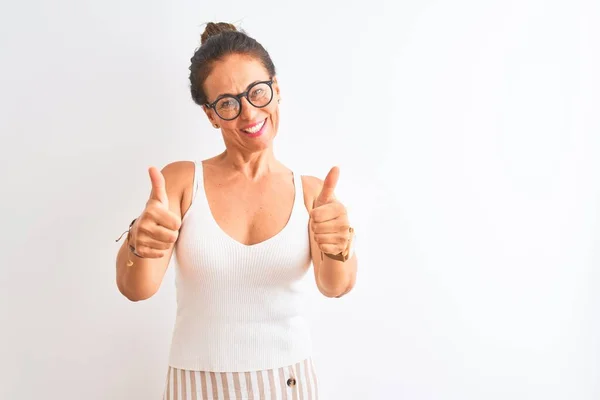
{"x": 229, "y": 107}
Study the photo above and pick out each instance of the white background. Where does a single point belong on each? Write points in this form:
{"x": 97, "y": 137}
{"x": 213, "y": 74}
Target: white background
{"x": 468, "y": 137}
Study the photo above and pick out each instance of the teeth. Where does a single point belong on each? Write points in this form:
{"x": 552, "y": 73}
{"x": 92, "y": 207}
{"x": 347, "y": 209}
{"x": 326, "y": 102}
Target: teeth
{"x": 255, "y": 128}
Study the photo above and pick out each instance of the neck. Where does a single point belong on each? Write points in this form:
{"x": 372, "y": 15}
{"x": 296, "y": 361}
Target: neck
{"x": 252, "y": 165}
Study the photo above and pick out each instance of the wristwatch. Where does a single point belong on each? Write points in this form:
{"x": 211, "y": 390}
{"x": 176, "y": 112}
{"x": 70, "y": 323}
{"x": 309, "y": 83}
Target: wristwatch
{"x": 348, "y": 252}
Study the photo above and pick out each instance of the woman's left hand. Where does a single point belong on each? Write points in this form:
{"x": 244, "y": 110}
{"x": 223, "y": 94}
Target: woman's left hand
{"x": 329, "y": 218}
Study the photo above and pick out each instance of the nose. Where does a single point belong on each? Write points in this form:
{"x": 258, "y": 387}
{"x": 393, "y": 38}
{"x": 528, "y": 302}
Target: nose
{"x": 248, "y": 110}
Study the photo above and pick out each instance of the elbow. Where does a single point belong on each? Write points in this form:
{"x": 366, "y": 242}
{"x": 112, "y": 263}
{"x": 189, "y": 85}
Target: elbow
{"x": 137, "y": 294}
{"x": 345, "y": 292}
{"x": 338, "y": 290}
{"x": 329, "y": 294}
{"x": 334, "y": 292}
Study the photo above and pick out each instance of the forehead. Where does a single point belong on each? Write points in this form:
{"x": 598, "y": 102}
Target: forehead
{"x": 233, "y": 74}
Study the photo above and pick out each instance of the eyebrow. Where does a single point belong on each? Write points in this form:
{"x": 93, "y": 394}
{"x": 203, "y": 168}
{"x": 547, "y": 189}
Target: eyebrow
{"x": 234, "y": 95}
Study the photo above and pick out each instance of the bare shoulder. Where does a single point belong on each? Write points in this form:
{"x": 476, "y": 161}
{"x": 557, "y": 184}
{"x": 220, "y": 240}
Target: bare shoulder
{"x": 312, "y": 187}
{"x": 179, "y": 177}
{"x": 178, "y": 173}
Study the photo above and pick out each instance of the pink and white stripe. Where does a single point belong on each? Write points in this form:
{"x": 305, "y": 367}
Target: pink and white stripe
{"x": 295, "y": 382}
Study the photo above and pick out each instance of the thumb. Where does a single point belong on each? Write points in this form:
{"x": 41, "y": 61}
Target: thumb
{"x": 329, "y": 184}
{"x": 159, "y": 192}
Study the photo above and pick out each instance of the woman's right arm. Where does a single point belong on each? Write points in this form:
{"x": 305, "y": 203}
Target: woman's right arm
{"x": 153, "y": 235}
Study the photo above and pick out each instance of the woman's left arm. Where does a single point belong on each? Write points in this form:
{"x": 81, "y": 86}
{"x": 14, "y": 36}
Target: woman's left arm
{"x": 330, "y": 233}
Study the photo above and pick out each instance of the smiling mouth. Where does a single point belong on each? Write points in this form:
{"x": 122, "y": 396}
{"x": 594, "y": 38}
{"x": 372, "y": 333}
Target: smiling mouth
{"x": 255, "y": 128}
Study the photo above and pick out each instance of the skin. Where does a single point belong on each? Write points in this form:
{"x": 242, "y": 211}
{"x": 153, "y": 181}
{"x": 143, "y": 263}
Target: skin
{"x": 249, "y": 191}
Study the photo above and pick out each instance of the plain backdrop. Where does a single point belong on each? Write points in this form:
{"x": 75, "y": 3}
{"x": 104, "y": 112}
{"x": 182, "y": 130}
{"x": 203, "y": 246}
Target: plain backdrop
{"x": 468, "y": 138}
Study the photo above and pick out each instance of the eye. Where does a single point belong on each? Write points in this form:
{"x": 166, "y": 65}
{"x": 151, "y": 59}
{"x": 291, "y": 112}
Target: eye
{"x": 257, "y": 92}
{"x": 226, "y": 104}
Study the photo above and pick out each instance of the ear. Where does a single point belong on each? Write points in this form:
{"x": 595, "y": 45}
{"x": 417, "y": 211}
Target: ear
{"x": 211, "y": 116}
{"x": 276, "y": 89}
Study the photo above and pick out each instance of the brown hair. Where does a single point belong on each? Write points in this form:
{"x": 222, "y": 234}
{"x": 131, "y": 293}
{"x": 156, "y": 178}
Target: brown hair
{"x": 218, "y": 41}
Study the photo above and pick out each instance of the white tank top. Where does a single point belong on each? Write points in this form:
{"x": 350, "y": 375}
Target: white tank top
{"x": 239, "y": 307}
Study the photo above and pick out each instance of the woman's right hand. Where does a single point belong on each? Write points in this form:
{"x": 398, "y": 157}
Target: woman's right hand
{"x": 157, "y": 228}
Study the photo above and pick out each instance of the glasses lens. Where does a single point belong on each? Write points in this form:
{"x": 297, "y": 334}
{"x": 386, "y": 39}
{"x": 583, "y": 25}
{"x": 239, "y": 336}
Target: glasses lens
{"x": 228, "y": 107}
{"x": 260, "y": 95}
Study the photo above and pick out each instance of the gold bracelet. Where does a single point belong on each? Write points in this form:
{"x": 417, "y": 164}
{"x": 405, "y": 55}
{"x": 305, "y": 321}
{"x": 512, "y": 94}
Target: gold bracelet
{"x": 346, "y": 253}
{"x": 130, "y": 247}
{"x": 129, "y": 262}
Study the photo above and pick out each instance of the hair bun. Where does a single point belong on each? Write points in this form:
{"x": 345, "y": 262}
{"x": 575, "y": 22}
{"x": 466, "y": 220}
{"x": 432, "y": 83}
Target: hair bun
{"x": 215, "y": 28}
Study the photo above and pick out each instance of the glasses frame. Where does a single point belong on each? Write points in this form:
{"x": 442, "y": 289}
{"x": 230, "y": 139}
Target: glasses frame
{"x": 239, "y": 97}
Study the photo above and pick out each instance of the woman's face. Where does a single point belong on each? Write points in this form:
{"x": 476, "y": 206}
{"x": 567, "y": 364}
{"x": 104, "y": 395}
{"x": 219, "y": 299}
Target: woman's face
{"x": 254, "y": 128}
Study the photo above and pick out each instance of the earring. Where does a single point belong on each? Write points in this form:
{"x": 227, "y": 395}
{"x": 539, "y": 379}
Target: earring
{"x": 216, "y": 126}
{"x": 279, "y": 100}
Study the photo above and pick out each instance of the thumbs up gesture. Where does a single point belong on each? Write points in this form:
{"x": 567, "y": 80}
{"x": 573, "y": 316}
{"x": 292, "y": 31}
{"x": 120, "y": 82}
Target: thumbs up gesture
{"x": 157, "y": 228}
{"x": 329, "y": 219}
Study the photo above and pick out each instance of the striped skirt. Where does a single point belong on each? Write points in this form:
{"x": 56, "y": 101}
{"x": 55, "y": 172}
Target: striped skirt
{"x": 294, "y": 382}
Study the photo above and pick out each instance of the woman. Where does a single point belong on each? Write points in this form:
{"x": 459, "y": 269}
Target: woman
{"x": 241, "y": 253}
